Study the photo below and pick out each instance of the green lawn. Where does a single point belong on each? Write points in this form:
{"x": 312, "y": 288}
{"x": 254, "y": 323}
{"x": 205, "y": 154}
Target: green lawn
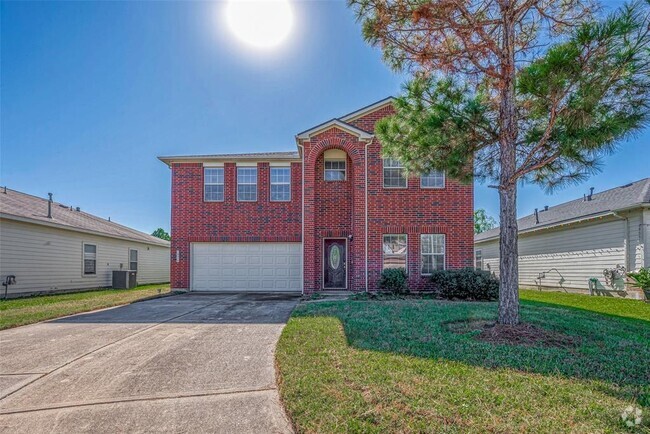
{"x": 29, "y": 310}
{"x": 394, "y": 366}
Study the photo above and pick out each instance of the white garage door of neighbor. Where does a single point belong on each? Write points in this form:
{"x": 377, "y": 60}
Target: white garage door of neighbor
{"x": 246, "y": 267}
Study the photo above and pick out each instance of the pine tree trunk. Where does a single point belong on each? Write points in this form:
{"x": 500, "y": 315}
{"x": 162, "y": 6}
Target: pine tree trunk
{"x": 508, "y": 265}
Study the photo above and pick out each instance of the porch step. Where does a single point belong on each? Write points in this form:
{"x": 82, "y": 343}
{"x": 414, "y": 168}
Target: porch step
{"x": 330, "y": 295}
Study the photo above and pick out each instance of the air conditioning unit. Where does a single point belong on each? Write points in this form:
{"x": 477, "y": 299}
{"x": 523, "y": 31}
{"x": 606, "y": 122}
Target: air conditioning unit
{"x": 124, "y": 279}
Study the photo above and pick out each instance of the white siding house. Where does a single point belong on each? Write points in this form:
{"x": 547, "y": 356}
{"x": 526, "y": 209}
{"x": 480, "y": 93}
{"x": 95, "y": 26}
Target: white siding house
{"x": 568, "y": 246}
{"x": 71, "y": 250}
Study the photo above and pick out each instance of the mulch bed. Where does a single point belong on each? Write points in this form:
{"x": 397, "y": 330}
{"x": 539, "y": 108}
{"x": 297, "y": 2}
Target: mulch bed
{"x": 522, "y": 334}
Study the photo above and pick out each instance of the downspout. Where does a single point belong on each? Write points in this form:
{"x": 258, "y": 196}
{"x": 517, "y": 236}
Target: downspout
{"x": 302, "y": 219}
{"x": 366, "y": 210}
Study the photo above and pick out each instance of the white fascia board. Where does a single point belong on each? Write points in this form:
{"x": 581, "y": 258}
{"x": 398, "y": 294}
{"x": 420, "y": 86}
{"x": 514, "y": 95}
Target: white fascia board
{"x": 552, "y": 225}
{"x": 335, "y": 123}
{"x": 369, "y": 109}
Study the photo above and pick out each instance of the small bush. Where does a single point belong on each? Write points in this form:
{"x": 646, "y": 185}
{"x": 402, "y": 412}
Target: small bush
{"x": 465, "y": 284}
{"x": 394, "y": 280}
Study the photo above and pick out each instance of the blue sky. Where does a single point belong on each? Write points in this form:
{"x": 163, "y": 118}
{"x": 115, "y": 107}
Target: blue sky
{"x": 92, "y": 92}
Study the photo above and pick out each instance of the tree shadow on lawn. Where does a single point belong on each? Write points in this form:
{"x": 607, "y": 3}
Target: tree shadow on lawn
{"x": 608, "y": 349}
{"x": 636, "y": 311}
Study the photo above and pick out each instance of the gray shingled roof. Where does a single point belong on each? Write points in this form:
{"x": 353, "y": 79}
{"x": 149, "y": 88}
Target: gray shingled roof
{"x": 626, "y": 196}
{"x": 290, "y": 155}
{"x": 25, "y": 206}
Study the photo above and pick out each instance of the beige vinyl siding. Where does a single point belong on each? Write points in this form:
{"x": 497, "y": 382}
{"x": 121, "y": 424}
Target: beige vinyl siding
{"x": 635, "y": 251}
{"x": 643, "y": 255}
{"x": 578, "y": 252}
{"x": 50, "y": 259}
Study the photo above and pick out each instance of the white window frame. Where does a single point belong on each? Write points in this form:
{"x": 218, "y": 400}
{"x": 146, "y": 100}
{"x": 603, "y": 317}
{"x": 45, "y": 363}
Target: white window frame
{"x": 406, "y": 253}
{"x": 223, "y": 184}
{"x": 271, "y": 183}
{"x": 422, "y": 254}
{"x": 83, "y": 260}
{"x": 137, "y": 259}
{"x": 478, "y": 254}
{"x": 335, "y": 160}
{"x": 247, "y": 183}
{"x": 397, "y": 166}
{"x": 427, "y": 187}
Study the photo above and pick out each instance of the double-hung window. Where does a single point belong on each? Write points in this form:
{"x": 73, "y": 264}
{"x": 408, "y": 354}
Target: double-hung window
{"x": 247, "y": 184}
{"x": 432, "y": 251}
{"x": 280, "y": 184}
{"x": 433, "y": 179}
{"x": 133, "y": 260}
{"x": 213, "y": 184}
{"x": 395, "y": 247}
{"x": 90, "y": 259}
{"x": 394, "y": 174}
{"x": 334, "y": 170}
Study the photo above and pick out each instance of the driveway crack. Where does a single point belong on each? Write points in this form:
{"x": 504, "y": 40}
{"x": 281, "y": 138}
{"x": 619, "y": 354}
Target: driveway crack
{"x": 138, "y": 399}
{"x": 69, "y": 362}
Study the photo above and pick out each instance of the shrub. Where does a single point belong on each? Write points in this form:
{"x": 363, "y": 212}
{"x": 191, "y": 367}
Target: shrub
{"x": 465, "y": 284}
{"x": 641, "y": 278}
{"x": 393, "y": 280}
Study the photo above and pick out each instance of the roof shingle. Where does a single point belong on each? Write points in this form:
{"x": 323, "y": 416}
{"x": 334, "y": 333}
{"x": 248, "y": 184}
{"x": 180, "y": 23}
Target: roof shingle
{"x": 21, "y": 205}
{"x": 625, "y": 196}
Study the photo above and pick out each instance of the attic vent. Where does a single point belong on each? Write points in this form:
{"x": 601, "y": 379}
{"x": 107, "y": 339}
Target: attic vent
{"x": 626, "y": 185}
{"x": 63, "y": 206}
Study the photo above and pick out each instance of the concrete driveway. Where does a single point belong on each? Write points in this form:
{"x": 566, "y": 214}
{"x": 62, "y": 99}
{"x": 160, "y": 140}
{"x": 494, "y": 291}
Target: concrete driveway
{"x": 187, "y": 363}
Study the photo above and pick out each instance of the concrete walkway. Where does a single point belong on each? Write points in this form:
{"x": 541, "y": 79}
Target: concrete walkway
{"x": 188, "y": 363}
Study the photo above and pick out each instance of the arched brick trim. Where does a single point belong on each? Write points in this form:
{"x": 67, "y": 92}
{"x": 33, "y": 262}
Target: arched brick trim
{"x": 321, "y": 224}
{"x": 349, "y": 146}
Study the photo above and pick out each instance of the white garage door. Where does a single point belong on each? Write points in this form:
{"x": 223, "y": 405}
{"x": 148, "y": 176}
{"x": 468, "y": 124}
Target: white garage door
{"x": 246, "y": 267}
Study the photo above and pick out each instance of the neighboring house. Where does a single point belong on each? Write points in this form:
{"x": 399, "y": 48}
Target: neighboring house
{"x": 329, "y": 216}
{"x": 70, "y": 249}
{"x": 569, "y": 245}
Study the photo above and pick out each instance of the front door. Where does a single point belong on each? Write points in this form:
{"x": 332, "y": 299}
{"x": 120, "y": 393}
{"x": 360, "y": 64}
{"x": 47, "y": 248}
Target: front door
{"x": 334, "y": 263}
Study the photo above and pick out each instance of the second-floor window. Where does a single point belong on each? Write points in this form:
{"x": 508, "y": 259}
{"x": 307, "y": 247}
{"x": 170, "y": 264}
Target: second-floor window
{"x": 247, "y": 184}
{"x": 334, "y": 170}
{"x": 434, "y": 179}
{"x": 280, "y": 184}
{"x": 213, "y": 184}
{"x": 394, "y": 174}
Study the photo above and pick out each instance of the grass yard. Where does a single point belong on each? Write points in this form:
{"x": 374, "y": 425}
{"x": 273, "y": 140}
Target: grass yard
{"x": 22, "y": 311}
{"x": 396, "y": 366}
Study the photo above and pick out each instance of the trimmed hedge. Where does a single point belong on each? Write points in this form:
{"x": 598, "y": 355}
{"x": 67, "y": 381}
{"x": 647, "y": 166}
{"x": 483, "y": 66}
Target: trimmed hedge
{"x": 465, "y": 284}
{"x": 394, "y": 280}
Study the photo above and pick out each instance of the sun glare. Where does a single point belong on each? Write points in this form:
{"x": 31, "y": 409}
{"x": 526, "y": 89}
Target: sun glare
{"x": 260, "y": 23}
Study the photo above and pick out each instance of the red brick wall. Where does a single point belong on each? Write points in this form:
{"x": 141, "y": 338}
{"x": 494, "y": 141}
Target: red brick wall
{"x": 415, "y": 211}
{"x": 332, "y": 209}
{"x": 194, "y": 220}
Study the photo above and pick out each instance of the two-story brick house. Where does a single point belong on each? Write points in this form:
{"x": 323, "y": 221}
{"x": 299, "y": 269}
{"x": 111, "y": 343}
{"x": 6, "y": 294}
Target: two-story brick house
{"x": 331, "y": 215}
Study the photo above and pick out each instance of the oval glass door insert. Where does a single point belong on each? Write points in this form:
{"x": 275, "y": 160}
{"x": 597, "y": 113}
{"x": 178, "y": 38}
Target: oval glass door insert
{"x": 335, "y": 257}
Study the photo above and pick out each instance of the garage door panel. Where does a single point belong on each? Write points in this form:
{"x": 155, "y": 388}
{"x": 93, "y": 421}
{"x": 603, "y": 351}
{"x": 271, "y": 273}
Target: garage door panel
{"x": 246, "y": 266}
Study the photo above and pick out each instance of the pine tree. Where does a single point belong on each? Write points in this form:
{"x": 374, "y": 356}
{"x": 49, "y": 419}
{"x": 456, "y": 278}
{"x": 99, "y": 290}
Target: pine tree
{"x": 511, "y": 91}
